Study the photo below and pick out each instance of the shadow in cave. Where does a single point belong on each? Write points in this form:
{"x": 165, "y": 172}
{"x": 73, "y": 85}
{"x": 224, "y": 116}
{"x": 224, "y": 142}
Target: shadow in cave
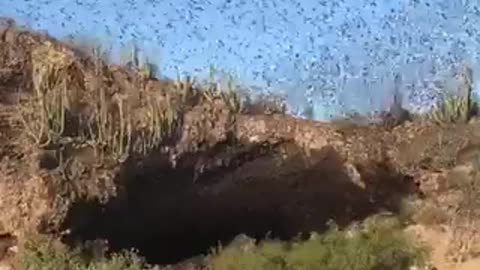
{"x": 168, "y": 217}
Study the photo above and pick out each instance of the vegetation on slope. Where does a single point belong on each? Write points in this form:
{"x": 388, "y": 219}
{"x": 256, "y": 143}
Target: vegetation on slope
{"x": 113, "y": 123}
{"x": 376, "y": 244}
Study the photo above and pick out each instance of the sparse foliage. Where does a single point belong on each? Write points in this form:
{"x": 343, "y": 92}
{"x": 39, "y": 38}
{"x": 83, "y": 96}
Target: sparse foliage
{"x": 465, "y": 219}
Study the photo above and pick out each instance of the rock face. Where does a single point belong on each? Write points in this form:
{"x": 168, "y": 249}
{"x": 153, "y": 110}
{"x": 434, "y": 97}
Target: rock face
{"x": 197, "y": 169}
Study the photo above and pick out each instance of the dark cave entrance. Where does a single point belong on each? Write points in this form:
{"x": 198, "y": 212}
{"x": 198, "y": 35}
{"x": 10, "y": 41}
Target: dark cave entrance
{"x": 169, "y": 221}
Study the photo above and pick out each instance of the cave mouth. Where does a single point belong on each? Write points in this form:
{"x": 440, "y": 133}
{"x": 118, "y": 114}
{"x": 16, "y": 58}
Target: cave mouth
{"x": 171, "y": 221}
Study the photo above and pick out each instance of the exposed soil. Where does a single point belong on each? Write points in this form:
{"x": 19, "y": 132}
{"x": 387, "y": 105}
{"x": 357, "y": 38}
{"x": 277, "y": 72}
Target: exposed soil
{"x": 219, "y": 173}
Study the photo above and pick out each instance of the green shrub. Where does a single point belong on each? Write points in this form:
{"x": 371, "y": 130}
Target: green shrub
{"x": 376, "y": 244}
{"x": 266, "y": 257}
{"x": 47, "y": 254}
{"x": 379, "y": 244}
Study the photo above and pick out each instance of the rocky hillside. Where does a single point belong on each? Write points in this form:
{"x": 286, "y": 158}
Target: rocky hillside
{"x": 91, "y": 150}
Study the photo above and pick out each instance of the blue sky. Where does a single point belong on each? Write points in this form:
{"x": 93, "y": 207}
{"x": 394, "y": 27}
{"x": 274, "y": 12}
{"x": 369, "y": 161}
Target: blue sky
{"x": 335, "y": 55}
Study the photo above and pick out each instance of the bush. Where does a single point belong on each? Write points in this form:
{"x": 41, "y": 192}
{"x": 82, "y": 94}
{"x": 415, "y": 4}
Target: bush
{"x": 46, "y": 254}
{"x": 377, "y": 244}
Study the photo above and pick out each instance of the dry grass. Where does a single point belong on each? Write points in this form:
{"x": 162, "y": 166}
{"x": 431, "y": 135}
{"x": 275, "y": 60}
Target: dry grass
{"x": 464, "y": 217}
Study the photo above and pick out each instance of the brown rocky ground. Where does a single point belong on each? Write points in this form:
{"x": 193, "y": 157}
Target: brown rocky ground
{"x": 206, "y": 174}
